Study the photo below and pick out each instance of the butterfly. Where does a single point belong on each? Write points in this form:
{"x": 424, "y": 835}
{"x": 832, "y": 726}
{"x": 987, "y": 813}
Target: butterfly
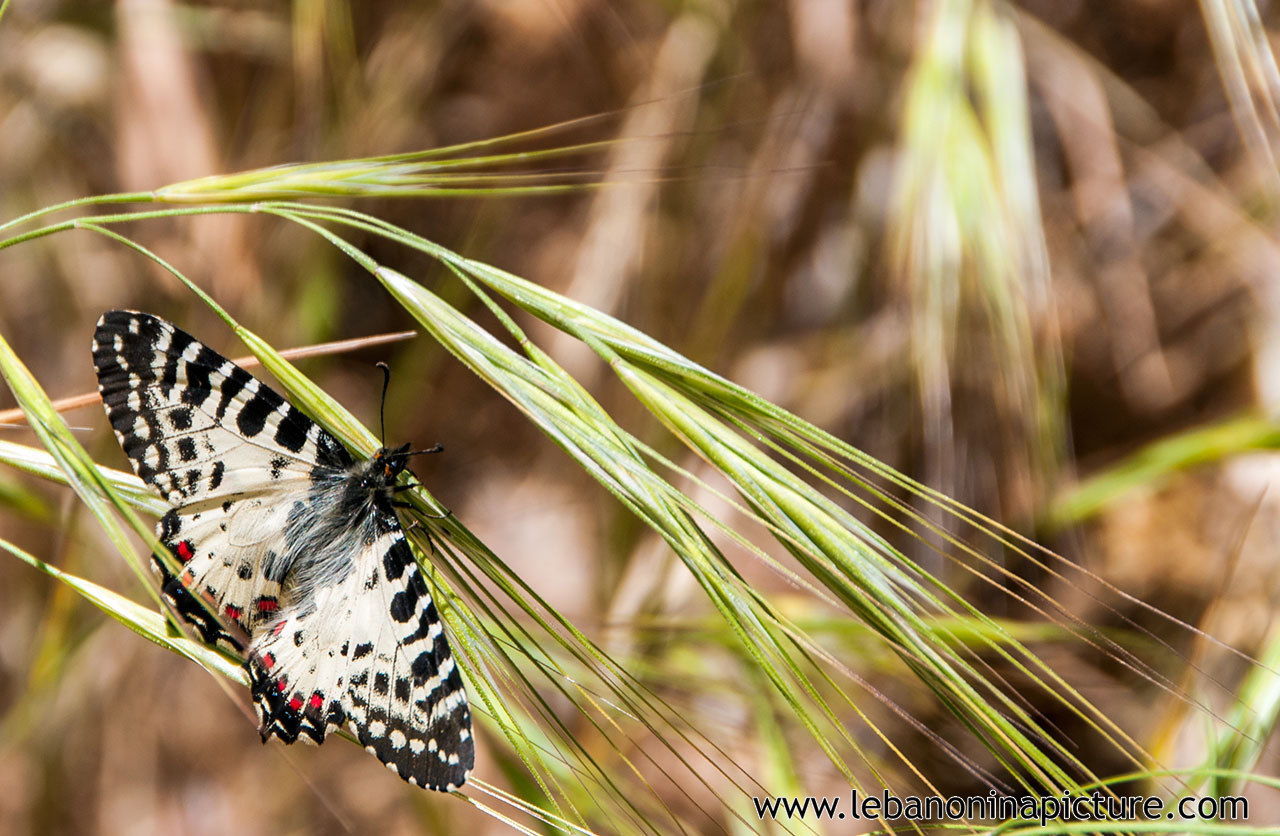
{"x": 291, "y": 552}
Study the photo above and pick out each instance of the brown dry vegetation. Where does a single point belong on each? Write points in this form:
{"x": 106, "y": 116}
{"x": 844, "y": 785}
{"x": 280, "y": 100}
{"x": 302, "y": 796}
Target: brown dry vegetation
{"x": 773, "y": 213}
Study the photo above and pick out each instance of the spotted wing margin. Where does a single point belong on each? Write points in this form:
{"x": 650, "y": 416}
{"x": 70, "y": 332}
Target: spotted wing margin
{"x": 370, "y": 653}
{"x": 224, "y": 449}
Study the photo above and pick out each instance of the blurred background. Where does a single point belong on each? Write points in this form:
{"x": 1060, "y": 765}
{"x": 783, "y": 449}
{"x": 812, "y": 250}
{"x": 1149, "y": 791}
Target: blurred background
{"x": 1025, "y": 253}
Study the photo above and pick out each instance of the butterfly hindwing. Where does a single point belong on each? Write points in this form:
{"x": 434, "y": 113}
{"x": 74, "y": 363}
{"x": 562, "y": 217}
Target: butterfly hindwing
{"x": 393, "y": 680}
{"x": 232, "y": 570}
{"x": 290, "y": 551}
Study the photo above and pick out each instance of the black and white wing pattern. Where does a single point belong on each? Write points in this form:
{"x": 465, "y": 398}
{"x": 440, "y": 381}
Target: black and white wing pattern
{"x": 291, "y": 552}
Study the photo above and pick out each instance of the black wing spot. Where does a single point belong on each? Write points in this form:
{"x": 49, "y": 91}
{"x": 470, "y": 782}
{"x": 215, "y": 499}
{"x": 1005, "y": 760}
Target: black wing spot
{"x": 170, "y": 525}
{"x": 362, "y": 650}
{"x": 122, "y": 418}
{"x": 215, "y": 479}
{"x": 424, "y": 666}
{"x": 180, "y": 418}
{"x": 187, "y": 449}
{"x": 231, "y": 386}
{"x": 178, "y": 343}
{"x": 404, "y": 604}
{"x": 199, "y": 384}
{"x": 253, "y": 415}
{"x": 396, "y": 559}
{"x": 292, "y": 432}
{"x": 381, "y": 684}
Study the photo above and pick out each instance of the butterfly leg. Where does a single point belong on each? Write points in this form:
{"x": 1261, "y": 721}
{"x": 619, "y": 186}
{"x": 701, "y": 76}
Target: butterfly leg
{"x": 395, "y": 503}
{"x": 426, "y": 532}
{"x": 431, "y": 541}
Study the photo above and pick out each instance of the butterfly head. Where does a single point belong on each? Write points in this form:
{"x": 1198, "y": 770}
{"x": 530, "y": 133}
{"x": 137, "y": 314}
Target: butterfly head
{"x": 385, "y": 466}
{"x": 377, "y": 477}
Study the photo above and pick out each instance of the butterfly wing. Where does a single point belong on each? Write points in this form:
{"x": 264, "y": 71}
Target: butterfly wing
{"x": 196, "y": 426}
{"x": 340, "y": 630}
{"x": 336, "y": 658}
{"x": 228, "y": 453}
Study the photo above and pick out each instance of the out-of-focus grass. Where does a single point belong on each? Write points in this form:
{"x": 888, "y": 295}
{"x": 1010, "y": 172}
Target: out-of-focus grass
{"x": 917, "y": 172}
{"x": 967, "y": 247}
{"x": 1250, "y": 722}
{"x": 1147, "y": 468}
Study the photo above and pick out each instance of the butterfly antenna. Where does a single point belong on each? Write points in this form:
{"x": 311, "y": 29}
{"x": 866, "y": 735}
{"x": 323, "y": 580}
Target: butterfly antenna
{"x": 382, "y": 410}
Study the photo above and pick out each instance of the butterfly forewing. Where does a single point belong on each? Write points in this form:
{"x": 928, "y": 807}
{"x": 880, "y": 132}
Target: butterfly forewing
{"x": 195, "y": 425}
{"x": 282, "y": 538}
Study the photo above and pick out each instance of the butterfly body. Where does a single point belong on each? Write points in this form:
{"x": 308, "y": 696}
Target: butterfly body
{"x": 291, "y": 552}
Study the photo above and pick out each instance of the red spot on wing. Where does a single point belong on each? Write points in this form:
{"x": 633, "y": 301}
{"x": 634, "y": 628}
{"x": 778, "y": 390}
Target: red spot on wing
{"x": 268, "y": 661}
{"x": 267, "y": 604}
{"x": 317, "y": 700}
{"x": 278, "y": 629}
{"x": 295, "y": 703}
{"x": 233, "y": 612}
{"x": 281, "y": 686}
{"x": 184, "y": 551}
